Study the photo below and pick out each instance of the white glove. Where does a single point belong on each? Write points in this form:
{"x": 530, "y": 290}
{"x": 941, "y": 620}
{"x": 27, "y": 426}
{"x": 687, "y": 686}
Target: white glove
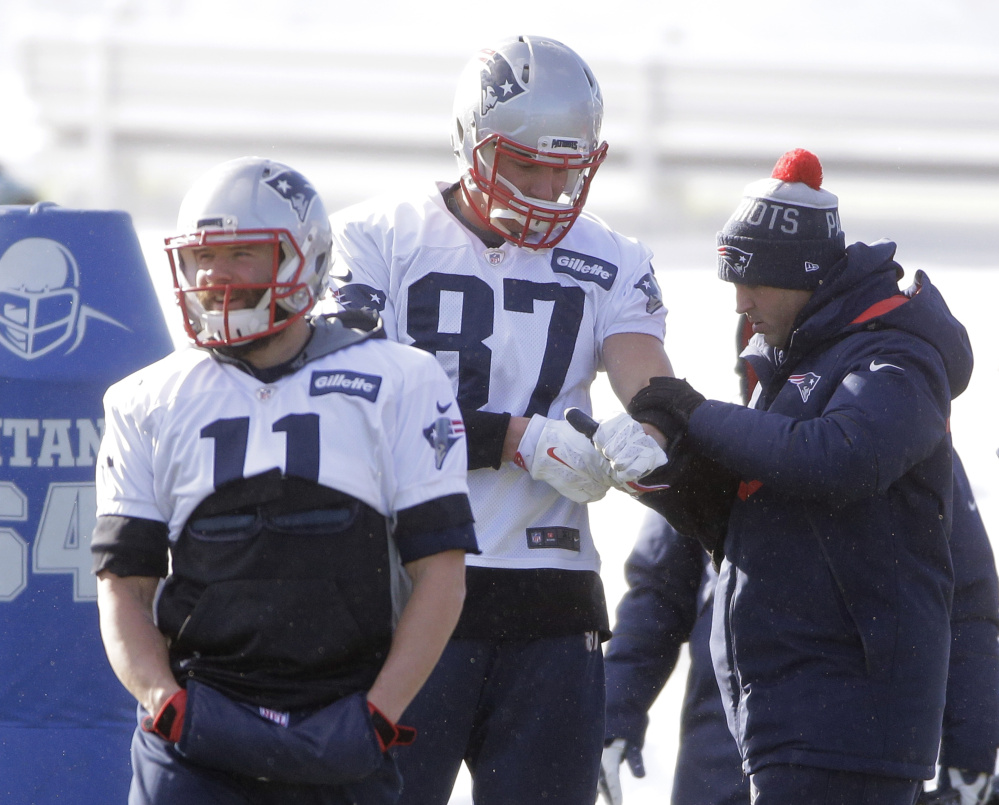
{"x": 974, "y": 789}
{"x": 551, "y": 450}
{"x": 610, "y": 772}
{"x": 609, "y": 785}
{"x": 631, "y": 452}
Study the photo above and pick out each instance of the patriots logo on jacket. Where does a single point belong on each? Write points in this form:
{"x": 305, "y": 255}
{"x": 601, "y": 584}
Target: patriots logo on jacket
{"x": 359, "y": 297}
{"x": 295, "y": 189}
{"x": 735, "y": 259}
{"x": 443, "y": 434}
{"x": 654, "y": 297}
{"x": 498, "y": 82}
{"x": 805, "y": 383}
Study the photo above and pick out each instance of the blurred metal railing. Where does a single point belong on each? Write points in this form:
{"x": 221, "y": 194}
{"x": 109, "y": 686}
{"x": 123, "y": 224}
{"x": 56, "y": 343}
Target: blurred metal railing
{"x": 117, "y": 97}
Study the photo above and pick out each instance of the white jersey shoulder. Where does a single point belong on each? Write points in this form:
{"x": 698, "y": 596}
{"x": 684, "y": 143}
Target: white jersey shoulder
{"x": 377, "y": 420}
{"x": 517, "y": 330}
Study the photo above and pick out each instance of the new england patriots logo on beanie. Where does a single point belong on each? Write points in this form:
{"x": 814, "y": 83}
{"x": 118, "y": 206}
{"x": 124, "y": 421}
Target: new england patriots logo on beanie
{"x": 785, "y": 233}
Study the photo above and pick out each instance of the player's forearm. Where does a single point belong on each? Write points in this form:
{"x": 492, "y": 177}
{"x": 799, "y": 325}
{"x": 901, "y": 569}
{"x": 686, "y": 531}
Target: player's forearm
{"x": 631, "y": 360}
{"x": 423, "y": 630}
{"x": 136, "y": 649}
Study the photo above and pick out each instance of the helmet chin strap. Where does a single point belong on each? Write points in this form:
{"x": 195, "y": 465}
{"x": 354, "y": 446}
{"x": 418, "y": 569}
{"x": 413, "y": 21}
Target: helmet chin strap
{"x": 537, "y": 225}
{"x": 241, "y": 323}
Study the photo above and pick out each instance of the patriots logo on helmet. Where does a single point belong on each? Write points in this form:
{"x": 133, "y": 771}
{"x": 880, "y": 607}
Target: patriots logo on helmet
{"x": 654, "y": 297}
{"x": 295, "y": 189}
{"x": 805, "y": 383}
{"x": 735, "y": 259}
{"x": 443, "y": 434}
{"x": 359, "y": 297}
{"x": 499, "y": 84}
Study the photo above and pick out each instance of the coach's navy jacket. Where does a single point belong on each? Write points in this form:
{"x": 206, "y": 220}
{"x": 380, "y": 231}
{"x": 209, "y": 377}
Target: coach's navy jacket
{"x": 668, "y": 603}
{"x": 830, "y": 632}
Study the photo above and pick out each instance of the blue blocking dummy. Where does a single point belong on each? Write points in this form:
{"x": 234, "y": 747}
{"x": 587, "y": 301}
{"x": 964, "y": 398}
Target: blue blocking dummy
{"x": 77, "y": 312}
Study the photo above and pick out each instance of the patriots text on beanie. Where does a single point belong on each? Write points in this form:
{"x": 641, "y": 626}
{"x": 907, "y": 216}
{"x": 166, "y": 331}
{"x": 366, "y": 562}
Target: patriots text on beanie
{"x": 785, "y": 233}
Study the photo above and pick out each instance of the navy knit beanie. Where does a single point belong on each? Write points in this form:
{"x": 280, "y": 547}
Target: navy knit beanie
{"x": 785, "y": 233}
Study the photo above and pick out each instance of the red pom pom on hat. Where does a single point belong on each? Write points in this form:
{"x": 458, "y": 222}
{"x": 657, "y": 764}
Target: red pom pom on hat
{"x": 799, "y": 165}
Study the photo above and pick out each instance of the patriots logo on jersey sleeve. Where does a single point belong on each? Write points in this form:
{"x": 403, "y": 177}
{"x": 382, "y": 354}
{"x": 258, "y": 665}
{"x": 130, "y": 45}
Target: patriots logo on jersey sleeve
{"x": 295, "y": 189}
{"x": 499, "y": 84}
{"x": 736, "y": 259}
{"x": 443, "y": 434}
{"x": 359, "y": 297}
{"x": 654, "y": 297}
{"x": 805, "y": 383}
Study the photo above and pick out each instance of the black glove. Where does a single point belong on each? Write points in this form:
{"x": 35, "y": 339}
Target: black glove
{"x": 390, "y": 734}
{"x": 696, "y": 499}
{"x": 668, "y": 400}
{"x": 168, "y": 723}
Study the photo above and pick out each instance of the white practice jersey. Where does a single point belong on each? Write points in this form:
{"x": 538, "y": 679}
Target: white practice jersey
{"x": 517, "y": 330}
{"x": 376, "y": 420}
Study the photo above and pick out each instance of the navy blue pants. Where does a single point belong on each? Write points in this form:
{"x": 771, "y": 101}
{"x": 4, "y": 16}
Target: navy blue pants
{"x": 161, "y": 776}
{"x": 806, "y": 785}
{"x": 527, "y": 717}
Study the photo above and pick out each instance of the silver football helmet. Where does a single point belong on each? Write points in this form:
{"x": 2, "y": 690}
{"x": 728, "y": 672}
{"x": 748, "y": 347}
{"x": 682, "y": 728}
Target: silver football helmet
{"x": 534, "y": 100}
{"x": 251, "y": 201}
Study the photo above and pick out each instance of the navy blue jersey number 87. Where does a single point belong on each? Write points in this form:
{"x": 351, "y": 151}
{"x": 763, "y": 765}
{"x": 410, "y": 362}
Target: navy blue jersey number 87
{"x": 477, "y": 320}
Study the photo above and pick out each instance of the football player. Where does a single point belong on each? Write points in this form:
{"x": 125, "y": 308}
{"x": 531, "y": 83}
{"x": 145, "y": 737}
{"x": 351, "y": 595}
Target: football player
{"x": 523, "y": 297}
{"x": 282, "y": 518}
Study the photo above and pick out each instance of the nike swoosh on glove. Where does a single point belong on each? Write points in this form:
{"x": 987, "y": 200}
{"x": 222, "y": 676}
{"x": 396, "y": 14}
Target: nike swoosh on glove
{"x": 553, "y": 451}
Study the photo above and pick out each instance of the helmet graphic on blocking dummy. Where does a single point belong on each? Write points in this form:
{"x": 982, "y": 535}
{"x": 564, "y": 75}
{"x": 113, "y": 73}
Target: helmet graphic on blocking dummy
{"x": 39, "y": 296}
{"x": 532, "y": 100}
{"x": 250, "y": 201}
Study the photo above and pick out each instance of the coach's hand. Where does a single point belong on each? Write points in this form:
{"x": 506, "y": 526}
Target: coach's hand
{"x": 168, "y": 722}
{"x": 552, "y": 451}
{"x": 666, "y": 403}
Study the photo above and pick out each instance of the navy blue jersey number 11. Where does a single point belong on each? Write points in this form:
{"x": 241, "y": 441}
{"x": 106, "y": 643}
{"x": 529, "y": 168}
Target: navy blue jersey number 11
{"x": 231, "y": 437}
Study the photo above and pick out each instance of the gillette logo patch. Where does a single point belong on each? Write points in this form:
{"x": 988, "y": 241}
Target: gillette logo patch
{"x": 352, "y": 383}
{"x": 584, "y": 268}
